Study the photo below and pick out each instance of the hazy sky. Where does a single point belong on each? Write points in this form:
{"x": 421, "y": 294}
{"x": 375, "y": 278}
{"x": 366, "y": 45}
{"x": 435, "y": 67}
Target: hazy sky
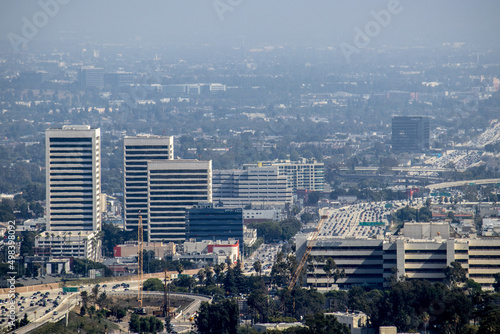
{"x": 301, "y": 22}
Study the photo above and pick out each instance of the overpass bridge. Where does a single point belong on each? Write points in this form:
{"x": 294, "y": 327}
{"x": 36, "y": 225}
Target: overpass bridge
{"x": 454, "y": 184}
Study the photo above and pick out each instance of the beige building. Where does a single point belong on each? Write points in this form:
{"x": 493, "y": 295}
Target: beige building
{"x": 356, "y": 321}
{"x": 160, "y": 249}
{"x": 301, "y": 175}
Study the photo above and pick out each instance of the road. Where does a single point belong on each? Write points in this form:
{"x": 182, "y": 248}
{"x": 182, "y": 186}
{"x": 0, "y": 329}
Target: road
{"x": 445, "y": 185}
{"x": 39, "y": 315}
{"x": 266, "y": 254}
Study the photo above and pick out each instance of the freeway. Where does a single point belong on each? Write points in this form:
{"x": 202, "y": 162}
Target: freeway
{"x": 39, "y": 315}
{"x": 461, "y": 183}
{"x": 401, "y": 169}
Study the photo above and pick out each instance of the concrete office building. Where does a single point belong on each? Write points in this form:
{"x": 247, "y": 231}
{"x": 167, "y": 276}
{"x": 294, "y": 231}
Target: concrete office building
{"x": 253, "y": 186}
{"x": 119, "y": 78}
{"x": 173, "y": 187}
{"x": 371, "y": 262}
{"x": 73, "y": 178}
{"x": 362, "y": 261}
{"x": 301, "y": 175}
{"x": 90, "y": 76}
{"x": 138, "y": 150}
{"x": 410, "y": 133}
{"x": 204, "y": 222}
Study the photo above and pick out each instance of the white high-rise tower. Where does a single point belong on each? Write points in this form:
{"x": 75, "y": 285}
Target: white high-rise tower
{"x": 73, "y": 178}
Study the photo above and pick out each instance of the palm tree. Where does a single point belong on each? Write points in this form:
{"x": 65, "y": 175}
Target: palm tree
{"x": 258, "y": 267}
{"x": 69, "y": 234}
{"x": 59, "y": 244}
{"x": 79, "y": 237}
{"x": 209, "y": 276}
{"x": 179, "y": 268}
{"x": 94, "y": 245}
{"x": 201, "y": 275}
{"x": 218, "y": 271}
{"x": 425, "y": 318}
{"x": 95, "y": 293}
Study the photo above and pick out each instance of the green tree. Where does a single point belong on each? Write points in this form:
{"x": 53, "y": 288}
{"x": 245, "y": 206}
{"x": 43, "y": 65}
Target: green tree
{"x": 221, "y": 317}
{"x": 496, "y": 285}
{"x": 85, "y": 298}
{"x": 490, "y": 323}
{"x": 168, "y": 324}
{"x": 153, "y": 284}
{"x": 329, "y": 268}
{"x": 219, "y": 269}
{"x": 209, "y": 276}
{"x": 306, "y": 217}
{"x": 134, "y": 325}
{"x": 321, "y": 324}
{"x": 455, "y": 274}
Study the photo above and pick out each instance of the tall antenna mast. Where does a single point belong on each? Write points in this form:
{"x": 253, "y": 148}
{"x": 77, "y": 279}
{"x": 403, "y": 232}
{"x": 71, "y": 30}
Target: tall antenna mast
{"x": 140, "y": 253}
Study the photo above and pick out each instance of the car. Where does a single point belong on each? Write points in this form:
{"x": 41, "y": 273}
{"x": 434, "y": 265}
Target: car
{"x": 56, "y": 313}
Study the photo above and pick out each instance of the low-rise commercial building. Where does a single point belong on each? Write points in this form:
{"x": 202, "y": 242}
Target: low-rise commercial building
{"x": 356, "y": 321}
{"x": 210, "y": 251}
{"x": 160, "y": 249}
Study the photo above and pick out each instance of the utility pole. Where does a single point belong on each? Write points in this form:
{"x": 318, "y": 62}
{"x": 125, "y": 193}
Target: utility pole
{"x": 140, "y": 248}
{"x": 166, "y": 297}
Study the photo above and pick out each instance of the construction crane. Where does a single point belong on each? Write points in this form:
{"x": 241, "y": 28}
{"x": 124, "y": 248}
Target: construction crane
{"x": 140, "y": 256}
{"x": 166, "y": 296}
{"x": 311, "y": 244}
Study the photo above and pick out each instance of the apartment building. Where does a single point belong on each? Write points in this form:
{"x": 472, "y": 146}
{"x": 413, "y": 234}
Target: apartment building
{"x": 301, "y": 175}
